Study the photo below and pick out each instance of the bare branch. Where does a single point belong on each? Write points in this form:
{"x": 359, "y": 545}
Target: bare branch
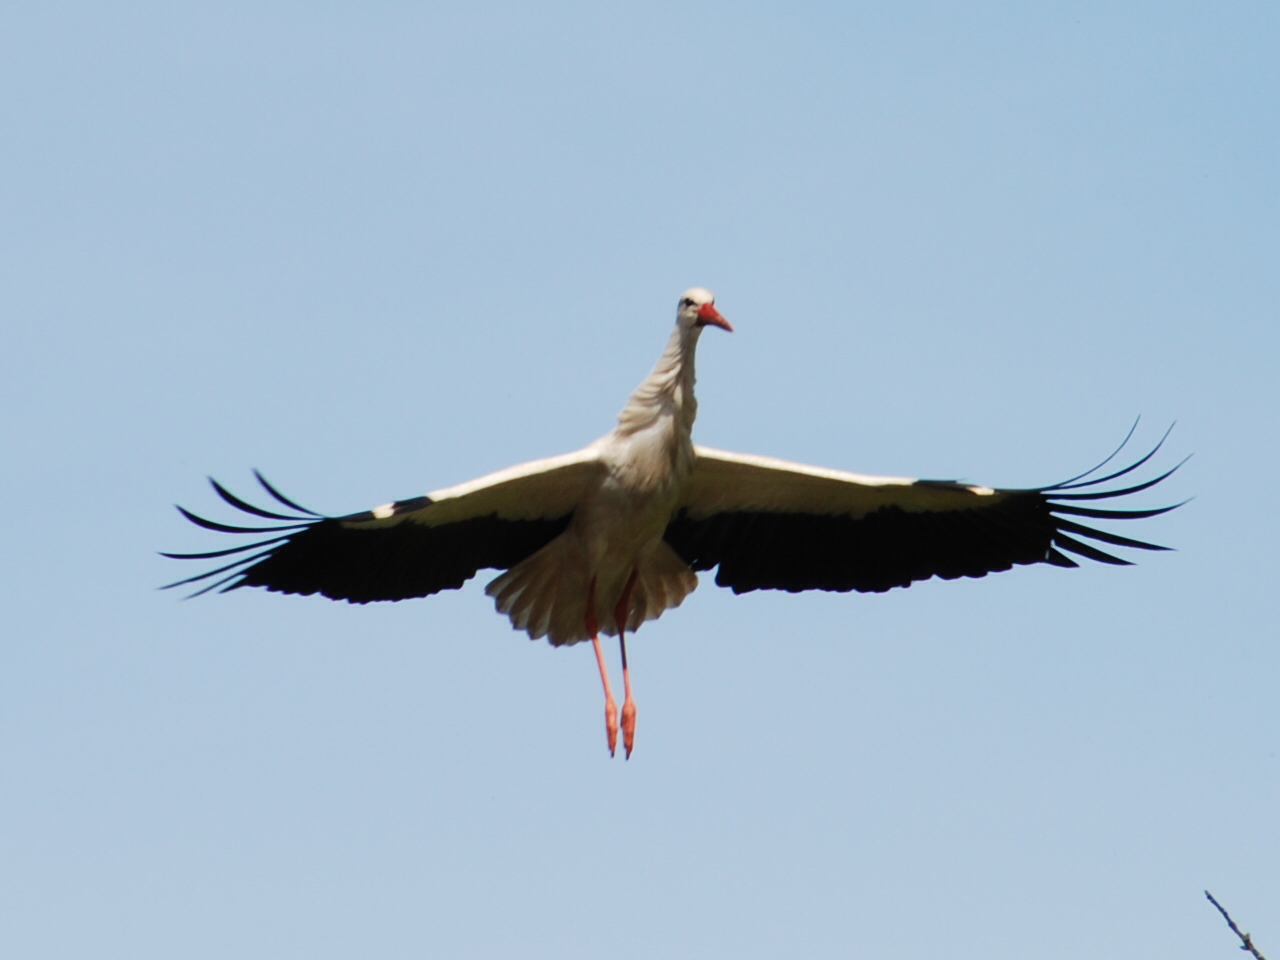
{"x": 1245, "y": 942}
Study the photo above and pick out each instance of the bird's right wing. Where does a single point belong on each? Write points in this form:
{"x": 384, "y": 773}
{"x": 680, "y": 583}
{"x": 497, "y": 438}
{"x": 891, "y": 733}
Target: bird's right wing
{"x": 772, "y": 525}
{"x": 409, "y": 548}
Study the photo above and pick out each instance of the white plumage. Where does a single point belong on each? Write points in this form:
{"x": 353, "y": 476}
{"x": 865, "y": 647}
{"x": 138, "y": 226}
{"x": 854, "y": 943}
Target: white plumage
{"x": 607, "y": 537}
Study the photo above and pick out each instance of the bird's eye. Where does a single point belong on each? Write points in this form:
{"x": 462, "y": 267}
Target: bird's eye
{"x": 686, "y": 302}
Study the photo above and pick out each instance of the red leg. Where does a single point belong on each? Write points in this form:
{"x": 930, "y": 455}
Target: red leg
{"x": 620, "y": 616}
{"x": 610, "y": 705}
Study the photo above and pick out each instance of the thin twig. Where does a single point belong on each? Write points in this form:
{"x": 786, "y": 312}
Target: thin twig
{"x": 1245, "y": 942}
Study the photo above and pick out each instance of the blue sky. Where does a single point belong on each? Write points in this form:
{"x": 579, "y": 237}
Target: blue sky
{"x": 379, "y": 250}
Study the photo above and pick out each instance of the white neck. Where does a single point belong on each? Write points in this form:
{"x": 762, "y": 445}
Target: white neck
{"x": 668, "y": 390}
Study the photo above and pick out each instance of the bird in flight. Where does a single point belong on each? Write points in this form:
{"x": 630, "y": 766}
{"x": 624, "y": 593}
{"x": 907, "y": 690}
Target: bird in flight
{"x": 605, "y": 538}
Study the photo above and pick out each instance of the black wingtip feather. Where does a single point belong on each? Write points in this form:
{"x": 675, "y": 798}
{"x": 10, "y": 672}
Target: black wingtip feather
{"x": 1099, "y": 514}
{"x": 1114, "y": 453}
{"x": 1101, "y": 535}
{"x": 239, "y": 562}
{"x": 1051, "y": 494}
{"x": 1072, "y": 485}
{"x": 211, "y": 554}
{"x": 249, "y": 508}
{"x": 1084, "y": 550}
{"x": 214, "y": 586}
{"x": 281, "y": 498}
{"x": 228, "y": 528}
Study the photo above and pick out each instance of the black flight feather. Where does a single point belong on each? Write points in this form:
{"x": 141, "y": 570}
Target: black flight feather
{"x": 891, "y": 547}
{"x": 360, "y": 557}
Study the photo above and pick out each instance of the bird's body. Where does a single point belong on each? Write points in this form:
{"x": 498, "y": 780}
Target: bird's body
{"x": 615, "y": 537}
{"x": 610, "y": 536}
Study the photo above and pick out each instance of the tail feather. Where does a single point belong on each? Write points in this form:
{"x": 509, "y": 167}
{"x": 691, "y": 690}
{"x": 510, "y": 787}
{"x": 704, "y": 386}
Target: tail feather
{"x": 663, "y": 581}
{"x": 536, "y": 616}
{"x": 545, "y": 595}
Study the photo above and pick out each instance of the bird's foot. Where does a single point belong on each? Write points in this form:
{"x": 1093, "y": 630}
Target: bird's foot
{"x": 611, "y": 724}
{"x": 628, "y": 725}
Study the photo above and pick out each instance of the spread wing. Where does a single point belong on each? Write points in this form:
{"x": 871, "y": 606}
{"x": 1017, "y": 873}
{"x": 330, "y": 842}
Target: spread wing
{"x": 409, "y": 548}
{"x": 773, "y": 525}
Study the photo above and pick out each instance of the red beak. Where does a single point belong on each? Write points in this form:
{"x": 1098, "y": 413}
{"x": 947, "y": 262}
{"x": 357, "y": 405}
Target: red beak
{"x": 708, "y": 314}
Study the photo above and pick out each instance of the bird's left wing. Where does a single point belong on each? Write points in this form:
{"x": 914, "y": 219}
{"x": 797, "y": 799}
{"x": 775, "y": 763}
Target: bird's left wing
{"x": 409, "y": 548}
{"x": 770, "y": 524}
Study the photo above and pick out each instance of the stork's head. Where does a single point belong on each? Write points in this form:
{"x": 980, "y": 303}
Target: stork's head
{"x": 698, "y": 309}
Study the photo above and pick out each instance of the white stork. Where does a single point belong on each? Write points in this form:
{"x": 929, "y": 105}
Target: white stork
{"x": 610, "y": 536}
